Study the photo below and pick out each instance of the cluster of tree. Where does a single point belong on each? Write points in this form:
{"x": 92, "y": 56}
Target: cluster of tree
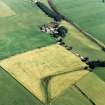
{"x": 94, "y": 64}
{"x": 48, "y": 11}
{"x": 84, "y": 59}
{"x": 61, "y": 31}
{"x": 103, "y": 48}
{"x": 103, "y": 1}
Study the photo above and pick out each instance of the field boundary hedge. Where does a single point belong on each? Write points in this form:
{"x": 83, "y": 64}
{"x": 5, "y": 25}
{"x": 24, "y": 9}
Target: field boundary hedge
{"x": 87, "y": 34}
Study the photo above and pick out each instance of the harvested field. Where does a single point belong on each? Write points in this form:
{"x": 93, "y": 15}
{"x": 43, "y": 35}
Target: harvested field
{"x": 28, "y": 68}
{"x": 58, "y": 84}
{"x": 93, "y": 87}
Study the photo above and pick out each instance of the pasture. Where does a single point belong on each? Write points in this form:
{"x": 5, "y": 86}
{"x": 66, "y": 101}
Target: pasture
{"x": 93, "y": 87}
{"x": 81, "y": 44}
{"x": 100, "y": 72}
{"x": 88, "y": 14}
{"x": 19, "y": 29}
{"x": 30, "y": 67}
{"x": 12, "y": 93}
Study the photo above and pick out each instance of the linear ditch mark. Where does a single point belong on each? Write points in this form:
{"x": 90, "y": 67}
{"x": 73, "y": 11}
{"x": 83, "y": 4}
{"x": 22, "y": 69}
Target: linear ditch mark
{"x": 91, "y": 101}
{"x": 59, "y": 74}
{"x": 45, "y": 82}
{"x": 87, "y": 34}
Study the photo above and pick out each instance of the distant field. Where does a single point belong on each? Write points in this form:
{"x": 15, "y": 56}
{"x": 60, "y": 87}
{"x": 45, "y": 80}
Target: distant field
{"x": 58, "y": 84}
{"x": 71, "y": 96}
{"x": 81, "y": 44}
{"x": 88, "y": 14}
{"x": 19, "y": 27}
{"x": 28, "y": 68}
{"x": 100, "y": 72}
{"x": 12, "y": 93}
{"x": 94, "y": 88}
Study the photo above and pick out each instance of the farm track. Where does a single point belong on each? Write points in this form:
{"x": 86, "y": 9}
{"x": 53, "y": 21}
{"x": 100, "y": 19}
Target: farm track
{"x": 89, "y": 36}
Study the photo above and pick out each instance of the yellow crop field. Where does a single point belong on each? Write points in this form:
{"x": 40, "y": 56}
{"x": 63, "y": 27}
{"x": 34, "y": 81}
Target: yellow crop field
{"x": 61, "y": 82}
{"x": 30, "y": 67}
{"x": 5, "y": 10}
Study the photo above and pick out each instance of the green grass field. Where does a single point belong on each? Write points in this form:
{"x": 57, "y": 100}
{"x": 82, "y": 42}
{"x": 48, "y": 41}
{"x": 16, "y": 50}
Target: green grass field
{"x": 5, "y": 11}
{"x": 93, "y": 87}
{"x": 81, "y": 48}
{"x": 81, "y": 44}
{"x": 100, "y": 72}
{"x": 88, "y": 14}
{"x": 20, "y": 32}
{"x": 71, "y": 96}
{"x": 12, "y": 93}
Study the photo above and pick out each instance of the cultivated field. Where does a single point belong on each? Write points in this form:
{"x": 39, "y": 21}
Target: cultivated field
{"x": 12, "y": 93}
{"x": 34, "y": 70}
{"x": 19, "y": 29}
{"x": 30, "y": 67}
{"x": 58, "y": 84}
{"x": 71, "y": 96}
{"x": 88, "y": 14}
{"x": 81, "y": 44}
{"x": 94, "y": 88}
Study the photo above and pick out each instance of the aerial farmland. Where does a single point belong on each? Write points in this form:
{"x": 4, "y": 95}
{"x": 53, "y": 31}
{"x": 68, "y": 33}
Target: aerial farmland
{"x": 52, "y": 52}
